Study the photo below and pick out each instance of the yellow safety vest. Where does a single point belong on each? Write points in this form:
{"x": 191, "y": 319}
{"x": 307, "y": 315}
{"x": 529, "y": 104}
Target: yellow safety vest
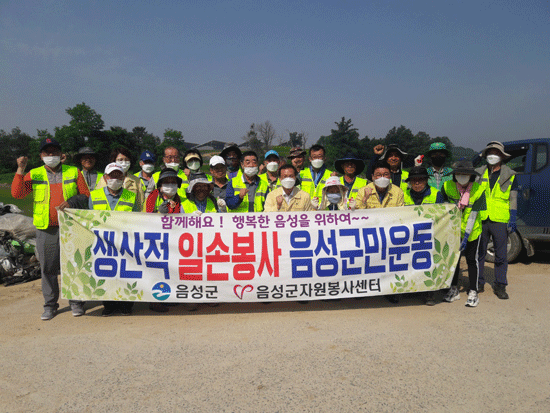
{"x": 308, "y": 184}
{"x": 358, "y": 183}
{"x": 99, "y": 176}
{"x": 404, "y": 185}
{"x": 264, "y": 178}
{"x": 188, "y": 206}
{"x": 259, "y": 198}
{"x": 498, "y": 200}
{"x": 126, "y": 201}
{"x": 41, "y": 192}
{"x": 430, "y": 199}
{"x": 454, "y": 196}
{"x": 184, "y": 183}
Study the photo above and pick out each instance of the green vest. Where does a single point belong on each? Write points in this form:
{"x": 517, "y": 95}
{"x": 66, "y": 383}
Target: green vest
{"x": 430, "y": 199}
{"x": 454, "y": 196}
{"x": 41, "y": 192}
{"x": 404, "y": 185}
{"x": 358, "y": 183}
{"x": 188, "y": 206}
{"x": 498, "y": 199}
{"x": 126, "y": 201}
{"x": 264, "y": 178}
{"x": 308, "y": 185}
{"x": 259, "y": 198}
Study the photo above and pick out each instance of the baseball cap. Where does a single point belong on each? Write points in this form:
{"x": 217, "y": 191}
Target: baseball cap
{"x": 49, "y": 142}
{"x": 271, "y": 152}
{"x": 216, "y": 160}
{"x": 113, "y": 166}
{"x": 147, "y": 156}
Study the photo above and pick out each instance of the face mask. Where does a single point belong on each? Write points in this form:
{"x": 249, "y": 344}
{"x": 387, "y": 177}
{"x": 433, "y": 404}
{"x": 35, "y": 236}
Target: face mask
{"x": 125, "y": 165}
{"x": 438, "y": 161}
{"x": 114, "y": 184}
{"x": 194, "y": 165}
{"x": 334, "y": 198}
{"x": 493, "y": 159}
{"x": 382, "y": 182}
{"x": 147, "y": 168}
{"x": 251, "y": 171}
{"x": 317, "y": 163}
{"x": 173, "y": 165}
{"x": 288, "y": 183}
{"x": 232, "y": 168}
{"x": 169, "y": 189}
{"x": 51, "y": 161}
{"x": 462, "y": 179}
{"x": 272, "y": 166}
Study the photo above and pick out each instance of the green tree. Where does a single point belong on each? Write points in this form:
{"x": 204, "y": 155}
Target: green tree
{"x": 84, "y": 127}
{"x": 173, "y": 138}
{"x": 341, "y": 141}
{"x": 15, "y": 144}
{"x": 253, "y": 141}
{"x": 296, "y": 139}
{"x": 146, "y": 141}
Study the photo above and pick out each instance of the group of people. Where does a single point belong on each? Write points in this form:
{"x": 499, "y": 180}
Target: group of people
{"x": 238, "y": 182}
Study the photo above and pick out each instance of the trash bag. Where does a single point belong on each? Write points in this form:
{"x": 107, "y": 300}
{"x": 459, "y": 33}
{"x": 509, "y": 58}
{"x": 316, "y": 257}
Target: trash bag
{"x": 20, "y": 226}
{"x": 18, "y": 263}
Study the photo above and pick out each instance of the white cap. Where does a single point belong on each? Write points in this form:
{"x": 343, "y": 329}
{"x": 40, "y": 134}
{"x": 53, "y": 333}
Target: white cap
{"x": 333, "y": 181}
{"x": 113, "y": 166}
{"x": 216, "y": 160}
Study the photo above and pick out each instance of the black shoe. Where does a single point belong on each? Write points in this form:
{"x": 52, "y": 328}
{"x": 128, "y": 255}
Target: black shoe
{"x": 126, "y": 308}
{"x": 481, "y": 288}
{"x": 108, "y": 311}
{"x": 430, "y": 298}
{"x": 393, "y": 298}
{"x": 500, "y": 291}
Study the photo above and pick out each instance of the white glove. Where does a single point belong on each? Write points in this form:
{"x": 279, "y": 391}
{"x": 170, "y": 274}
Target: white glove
{"x": 418, "y": 160}
{"x": 315, "y": 202}
{"x": 197, "y": 213}
{"x": 222, "y": 206}
{"x": 352, "y": 204}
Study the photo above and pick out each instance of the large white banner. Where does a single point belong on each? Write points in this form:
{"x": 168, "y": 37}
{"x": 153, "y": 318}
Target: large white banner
{"x": 107, "y": 255}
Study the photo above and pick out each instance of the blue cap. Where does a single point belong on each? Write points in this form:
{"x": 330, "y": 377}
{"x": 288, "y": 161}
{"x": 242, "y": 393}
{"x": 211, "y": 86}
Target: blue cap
{"x": 147, "y": 156}
{"x": 271, "y": 152}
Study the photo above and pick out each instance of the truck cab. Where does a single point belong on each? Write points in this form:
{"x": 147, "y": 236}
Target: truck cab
{"x": 531, "y": 161}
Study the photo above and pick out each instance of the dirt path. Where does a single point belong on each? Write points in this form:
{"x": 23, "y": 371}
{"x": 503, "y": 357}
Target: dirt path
{"x": 343, "y": 356}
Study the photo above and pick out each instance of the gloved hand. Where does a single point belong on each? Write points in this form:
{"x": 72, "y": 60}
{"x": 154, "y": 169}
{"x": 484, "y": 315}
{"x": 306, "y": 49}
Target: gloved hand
{"x": 418, "y": 160}
{"x": 163, "y": 208}
{"x": 512, "y": 227}
{"x": 464, "y": 241}
{"x": 352, "y": 204}
{"x": 197, "y": 213}
{"x": 222, "y": 206}
{"x": 315, "y": 202}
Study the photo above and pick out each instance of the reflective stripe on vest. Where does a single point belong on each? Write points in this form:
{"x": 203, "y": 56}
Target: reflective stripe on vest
{"x": 498, "y": 201}
{"x": 476, "y": 192}
{"x": 41, "y": 192}
{"x": 126, "y": 201}
{"x": 308, "y": 183}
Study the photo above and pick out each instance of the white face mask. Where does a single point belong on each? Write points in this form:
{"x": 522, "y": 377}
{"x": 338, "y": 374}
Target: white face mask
{"x": 317, "y": 163}
{"x": 462, "y": 179}
{"x": 251, "y": 170}
{"x": 169, "y": 189}
{"x": 334, "y": 198}
{"x": 173, "y": 165}
{"x": 125, "y": 165}
{"x": 147, "y": 168}
{"x": 272, "y": 166}
{"x": 51, "y": 161}
{"x": 382, "y": 182}
{"x": 288, "y": 183}
{"x": 194, "y": 165}
{"x": 493, "y": 159}
{"x": 114, "y": 184}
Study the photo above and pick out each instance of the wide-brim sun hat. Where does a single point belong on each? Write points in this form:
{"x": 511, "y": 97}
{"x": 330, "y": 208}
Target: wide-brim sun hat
{"x": 392, "y": 147}
{"x": 438, "y": 147}
{"x": 168, "y": 173}
{"x": 333, "y": 181}
{"x": 86, "y": 150}
{"x": 495, "y": 145}
{"x": 231, "y": 147}
{"x": 417, "y": 172}
{"x": 359, "y": 164}
{"x": 199, "y": 179}
{"x": 464, "y": 167}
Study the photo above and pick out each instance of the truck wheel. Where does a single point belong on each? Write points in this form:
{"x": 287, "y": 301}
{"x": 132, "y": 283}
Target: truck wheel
{"x": 514, "y": 248}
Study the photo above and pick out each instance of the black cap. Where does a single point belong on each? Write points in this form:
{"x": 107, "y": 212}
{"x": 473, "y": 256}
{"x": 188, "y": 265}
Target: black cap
{"x": 168, "y": 173}
{"x": 86, "y": 150}
{"x": 49, "y": 142}
{"x": 464, "y": 167}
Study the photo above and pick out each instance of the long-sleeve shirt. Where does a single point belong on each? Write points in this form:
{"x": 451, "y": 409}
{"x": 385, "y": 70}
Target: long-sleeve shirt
{"x": 22, "y": 186}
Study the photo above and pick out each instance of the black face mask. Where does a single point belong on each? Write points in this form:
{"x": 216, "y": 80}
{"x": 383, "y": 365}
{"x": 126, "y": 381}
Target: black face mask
{"x": 438, "y": 161}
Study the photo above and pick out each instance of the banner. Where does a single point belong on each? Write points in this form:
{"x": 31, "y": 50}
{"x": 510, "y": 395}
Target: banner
{"x": 109, "y": 255}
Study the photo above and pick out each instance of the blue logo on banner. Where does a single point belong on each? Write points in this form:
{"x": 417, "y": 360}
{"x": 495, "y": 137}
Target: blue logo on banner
{"x": 161, "y": 291}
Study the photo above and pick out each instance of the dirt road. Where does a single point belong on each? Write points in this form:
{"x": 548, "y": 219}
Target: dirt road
{"x": 340, "y": 356}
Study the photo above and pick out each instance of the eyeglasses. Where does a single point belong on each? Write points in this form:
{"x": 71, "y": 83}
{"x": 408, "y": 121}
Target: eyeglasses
{"x": 172, "y": 158}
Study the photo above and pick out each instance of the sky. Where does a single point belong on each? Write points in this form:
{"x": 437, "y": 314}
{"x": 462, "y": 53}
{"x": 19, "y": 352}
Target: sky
{"x": 473, "y": 71}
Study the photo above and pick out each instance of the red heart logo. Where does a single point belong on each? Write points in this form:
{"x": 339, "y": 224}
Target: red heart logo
{"x": 247, "y": 287}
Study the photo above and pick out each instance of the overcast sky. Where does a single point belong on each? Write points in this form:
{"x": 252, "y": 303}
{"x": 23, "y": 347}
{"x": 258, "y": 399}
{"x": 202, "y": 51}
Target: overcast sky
{"x": 474, "y": 71}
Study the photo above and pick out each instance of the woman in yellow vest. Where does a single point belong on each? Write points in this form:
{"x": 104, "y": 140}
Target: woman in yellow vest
{"x": 165, "y": 199}
{"x": 199, "y": 197}
{"x": 500, "y": 186}
{"x": 469, "y": 196}
{"x": 350, "y": 167}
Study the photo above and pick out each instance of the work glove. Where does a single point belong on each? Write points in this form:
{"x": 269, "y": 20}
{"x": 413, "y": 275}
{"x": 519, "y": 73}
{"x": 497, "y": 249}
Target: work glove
{"x": 352, "y": 204}
{"x": 222, "y": 206}
{"x": 163, "y": 208}
{"x": 512, "y": 227}
{"x": 464, "y": 241}
{"x": 197, "y": 213}
{"x": 315, "y": 202}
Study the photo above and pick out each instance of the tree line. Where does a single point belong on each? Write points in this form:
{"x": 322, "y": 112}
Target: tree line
{"x": 86, "y": 128}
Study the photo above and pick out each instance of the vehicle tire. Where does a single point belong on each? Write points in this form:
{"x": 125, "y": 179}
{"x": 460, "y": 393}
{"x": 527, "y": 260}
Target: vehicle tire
{"x": 514, "y": 248}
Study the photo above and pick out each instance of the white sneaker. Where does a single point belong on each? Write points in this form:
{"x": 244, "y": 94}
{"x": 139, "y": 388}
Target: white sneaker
{"x": 452, "y": 295}
{"x": 473, "y": 299}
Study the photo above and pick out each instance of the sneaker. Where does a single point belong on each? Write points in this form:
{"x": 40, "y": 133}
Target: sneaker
{"x": 78, "y": 309}
{"x": 500, "y": 291}
{"x": 473, "y": 299}
{"x": 452, "y": 295}
{"x": 48, "y": 313}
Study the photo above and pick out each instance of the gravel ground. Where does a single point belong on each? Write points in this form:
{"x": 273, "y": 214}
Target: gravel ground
{"x": 338, "y": 356}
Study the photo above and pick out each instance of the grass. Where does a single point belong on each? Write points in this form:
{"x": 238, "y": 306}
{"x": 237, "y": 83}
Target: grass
{"x": 25, "y": 204}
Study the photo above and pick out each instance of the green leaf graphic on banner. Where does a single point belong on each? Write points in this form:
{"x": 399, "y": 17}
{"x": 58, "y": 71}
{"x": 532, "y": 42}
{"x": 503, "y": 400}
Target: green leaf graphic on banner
{"x": 445, "y": 250}
{"x": 84, "y": 279}
{"x": 100, "y": 282}
{"x": 78, "y": 258}
{"x": 86, "y": 290}
{"x": 88, "y": 253}
{"x": 99, "y": 292}
{"x": 437, "y": 245}
{"x": 93, "y": 283}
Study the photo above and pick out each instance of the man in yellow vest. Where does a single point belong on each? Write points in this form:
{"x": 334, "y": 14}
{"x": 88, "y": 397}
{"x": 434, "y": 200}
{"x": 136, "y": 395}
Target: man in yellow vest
{"x": 314, "y": 178}
{"x": 500, "y": 186}
{"x": 87, "y": 158}
{"x": 247, "y": 192}
{"x": 51, "y": 185}
{"x": 350, "y": 167}
{"x": 420, "y": 192}
{"x": 171, "y": 159}
{"x": 147, "y": 164}
{"x": 271, "y": 164}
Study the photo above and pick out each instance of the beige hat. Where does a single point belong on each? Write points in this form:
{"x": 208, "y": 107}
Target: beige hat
{"x": 495, "y": 145}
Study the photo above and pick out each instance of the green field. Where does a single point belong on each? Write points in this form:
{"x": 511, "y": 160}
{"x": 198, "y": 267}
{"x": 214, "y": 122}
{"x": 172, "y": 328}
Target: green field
{"x": 25, "y": 204}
